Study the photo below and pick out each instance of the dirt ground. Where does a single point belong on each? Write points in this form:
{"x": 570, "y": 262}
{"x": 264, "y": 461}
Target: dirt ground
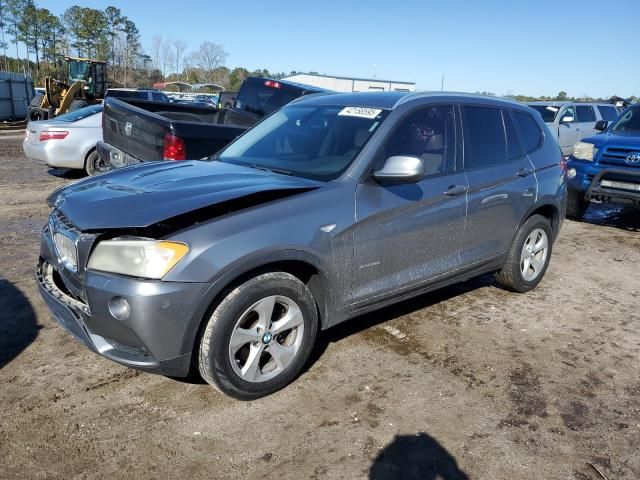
{"x": 469, "y": 382}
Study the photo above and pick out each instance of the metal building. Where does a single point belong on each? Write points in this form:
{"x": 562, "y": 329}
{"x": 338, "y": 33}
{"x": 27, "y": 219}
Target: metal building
{"x": 350, "y": 84}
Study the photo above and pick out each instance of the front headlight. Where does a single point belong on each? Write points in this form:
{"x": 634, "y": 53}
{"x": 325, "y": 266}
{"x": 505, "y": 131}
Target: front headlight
{"x": 584, "y": 151}
{"x": 137, "y": 258}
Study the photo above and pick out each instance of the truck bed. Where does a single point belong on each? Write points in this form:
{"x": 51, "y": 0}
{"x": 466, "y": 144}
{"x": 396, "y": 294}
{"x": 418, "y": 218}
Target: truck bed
{"x": 138, "y": 128}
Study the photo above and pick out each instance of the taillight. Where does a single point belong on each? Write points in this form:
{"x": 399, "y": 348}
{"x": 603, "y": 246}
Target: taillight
{"x": 59, "y": 135}
{"x": 272, "y": 84}
{"x": 174, "y": 148}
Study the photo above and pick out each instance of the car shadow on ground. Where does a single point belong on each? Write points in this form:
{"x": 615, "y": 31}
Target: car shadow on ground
{"x": 618, "y": 216}
{"x": 18, "y": 326}
{"x": 68, "y": 173}
{"x": 418, "y": 456}
{"x": 369, "y": 320}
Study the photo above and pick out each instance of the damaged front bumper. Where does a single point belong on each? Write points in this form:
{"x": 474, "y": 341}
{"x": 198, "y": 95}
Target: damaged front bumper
{"x": 154, "y": 337}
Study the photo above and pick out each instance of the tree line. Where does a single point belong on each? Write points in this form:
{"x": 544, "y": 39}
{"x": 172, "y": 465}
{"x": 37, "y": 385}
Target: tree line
{"x": 109, "y": 35}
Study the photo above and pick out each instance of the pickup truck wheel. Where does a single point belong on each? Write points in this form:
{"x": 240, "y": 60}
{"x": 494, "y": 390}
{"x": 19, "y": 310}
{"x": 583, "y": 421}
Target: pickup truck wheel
{"x": 259, "y": 337}
{"x": 94, "y": 165}
{"x": 576, "y": 204}
{"x": 528, "y": 257}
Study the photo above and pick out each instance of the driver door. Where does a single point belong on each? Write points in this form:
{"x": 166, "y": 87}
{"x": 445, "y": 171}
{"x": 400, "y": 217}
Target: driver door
{"x": 407, "y": 235}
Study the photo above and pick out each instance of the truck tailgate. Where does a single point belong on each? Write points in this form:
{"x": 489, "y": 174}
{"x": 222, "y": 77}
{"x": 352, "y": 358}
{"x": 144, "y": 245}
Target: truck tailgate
{"x": 138, "y": 127}
{"x": 133, "y": 130}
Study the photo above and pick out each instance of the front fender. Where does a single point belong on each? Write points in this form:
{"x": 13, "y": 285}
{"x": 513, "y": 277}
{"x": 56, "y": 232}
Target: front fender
{"x": 242, "y": 267}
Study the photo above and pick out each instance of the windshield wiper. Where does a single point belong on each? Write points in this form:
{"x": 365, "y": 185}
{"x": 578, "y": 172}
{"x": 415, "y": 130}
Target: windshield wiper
{"x": 281, "y": 171}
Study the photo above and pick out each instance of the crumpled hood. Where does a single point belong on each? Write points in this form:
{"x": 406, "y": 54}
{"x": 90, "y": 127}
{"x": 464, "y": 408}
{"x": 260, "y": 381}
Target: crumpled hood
{"x": 144, "y": 195}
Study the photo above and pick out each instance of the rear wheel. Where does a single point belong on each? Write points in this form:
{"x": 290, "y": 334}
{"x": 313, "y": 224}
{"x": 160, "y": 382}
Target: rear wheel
{"x": 77, "y": 105}
{"x": 95, "y": 165}
{"x": 35, "y": 114}
{"x": 259, "y": 337}
{"x": 528, "y": 257}
{"x": 576, "y": 204}
{"x": 36, "y": 101}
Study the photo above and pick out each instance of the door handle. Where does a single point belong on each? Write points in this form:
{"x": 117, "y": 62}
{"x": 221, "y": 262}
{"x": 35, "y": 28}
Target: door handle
{"x": 524, "y": 172}
{"x": 455, "y": 190}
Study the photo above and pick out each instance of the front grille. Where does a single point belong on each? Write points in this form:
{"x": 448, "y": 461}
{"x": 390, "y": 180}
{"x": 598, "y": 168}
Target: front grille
{"x": 618, "y": 156}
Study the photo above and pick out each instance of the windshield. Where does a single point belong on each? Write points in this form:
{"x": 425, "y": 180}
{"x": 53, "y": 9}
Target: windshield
{"x": 306, "y": 141}
{"x": 78, "y": 70}
{"x": 548, "y": 112}
{"x": 629, "y": 121}
{"x": 78, "y": 114}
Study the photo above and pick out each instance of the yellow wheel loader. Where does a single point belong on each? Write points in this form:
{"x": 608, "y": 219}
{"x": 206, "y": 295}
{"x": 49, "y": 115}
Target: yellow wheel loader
{"x": 85, "y": 85}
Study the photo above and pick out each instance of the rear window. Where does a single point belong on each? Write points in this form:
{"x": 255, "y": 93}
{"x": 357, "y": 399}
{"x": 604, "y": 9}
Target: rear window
{"x": 608, "y": 113}
{"x": 140, "y": 94}
{"x": 585, "y": 113}
{"x": 159, "y": 97}
{"x": 530, "y": 133}
{"x": 548, "y": 112}
{"x": 262, "y": 96}
{"x": 484, "y": 138}
{"x": 78, "y": 114}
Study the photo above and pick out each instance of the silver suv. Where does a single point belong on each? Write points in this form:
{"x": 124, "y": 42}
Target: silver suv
{"x": 571, "y": 122}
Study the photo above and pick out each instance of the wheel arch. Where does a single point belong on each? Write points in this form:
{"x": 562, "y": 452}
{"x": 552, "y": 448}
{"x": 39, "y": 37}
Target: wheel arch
{"x": 547, "y": 210}
{"x": 89, "y": 152}
{"x": 303, "y": 265}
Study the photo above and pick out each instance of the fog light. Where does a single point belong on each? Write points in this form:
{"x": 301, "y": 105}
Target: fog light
{"x": 571, "y": 173}
{"x": 119, "y": 308}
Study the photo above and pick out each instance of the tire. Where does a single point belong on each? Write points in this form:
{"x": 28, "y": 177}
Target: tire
{"x": 94, "y": 165}
{"x": 36, "y": 101}
{"x": 517, "y": 274}
{"x": 227, "y": 365}
{"x": 77, "y": 105}
{"x": 576, "y": 204}
{"x": 34, "y": 114}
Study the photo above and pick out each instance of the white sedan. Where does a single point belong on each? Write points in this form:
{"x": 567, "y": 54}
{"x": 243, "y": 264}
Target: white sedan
{"x": 68, "y": 140}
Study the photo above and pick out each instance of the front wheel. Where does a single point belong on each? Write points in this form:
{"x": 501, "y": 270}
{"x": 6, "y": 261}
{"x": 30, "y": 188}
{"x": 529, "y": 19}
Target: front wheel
{"x": 529, "y": 255}
{"x": 259, "y": 337}
{"x": 576, "y": 204}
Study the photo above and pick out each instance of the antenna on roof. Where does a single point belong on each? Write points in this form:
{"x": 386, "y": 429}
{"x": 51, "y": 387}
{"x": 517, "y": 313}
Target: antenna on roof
{"x": 442, "y": 84}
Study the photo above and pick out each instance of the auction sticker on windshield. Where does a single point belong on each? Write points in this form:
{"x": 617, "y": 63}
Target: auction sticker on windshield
{"x": 361, "y": 112}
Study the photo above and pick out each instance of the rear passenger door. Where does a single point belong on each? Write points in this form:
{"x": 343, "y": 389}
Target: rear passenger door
{"x": 502, "y": 184}
{"x": 586, "y": 120}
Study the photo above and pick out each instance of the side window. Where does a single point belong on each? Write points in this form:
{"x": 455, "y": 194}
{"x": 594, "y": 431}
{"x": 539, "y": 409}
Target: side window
{"x": 514, "y": 149}
{"x": 608, "y": 113}
{"x": 530, "y": 133}
{"x": 585, "y": 113}
{"x": 484, "y": 137}
{"x": 569, "y": 112}
{"x": 428, "y": 133}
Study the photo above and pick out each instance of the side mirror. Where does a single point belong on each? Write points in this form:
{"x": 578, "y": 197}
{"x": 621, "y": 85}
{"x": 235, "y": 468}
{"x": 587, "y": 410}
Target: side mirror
{"x": 400, "y": 169}
{"x": 601, "y": 125}
{"x": 567, "y": 119}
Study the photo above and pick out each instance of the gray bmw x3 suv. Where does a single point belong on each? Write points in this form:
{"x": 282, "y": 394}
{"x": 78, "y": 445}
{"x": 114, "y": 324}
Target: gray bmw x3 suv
{"x": 335, "y": 205}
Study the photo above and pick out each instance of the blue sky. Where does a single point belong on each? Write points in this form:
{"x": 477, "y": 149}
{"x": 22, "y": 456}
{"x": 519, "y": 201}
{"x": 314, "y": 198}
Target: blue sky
{"x": 529, "y": 47}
